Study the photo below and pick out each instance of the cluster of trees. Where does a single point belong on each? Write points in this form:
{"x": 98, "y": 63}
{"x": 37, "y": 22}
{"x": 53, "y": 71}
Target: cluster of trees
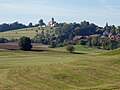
{"x": 68, "y": 31}
{"x": 16, "y": 25}
{"x": 64, "y": 33}
{"x": 12, "y": 26}
{"x": 110, "y": 44}
{"x": 5, "y": 40}
{"x": 25, "y": 44}
{"x": 106, "y": 44}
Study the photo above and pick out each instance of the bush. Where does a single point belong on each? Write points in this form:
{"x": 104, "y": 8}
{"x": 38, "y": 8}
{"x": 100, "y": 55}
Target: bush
{"x": 82, "y": 42}
{"x": 3, "y": 40}
{"x": 52, "y": 44}
{"x": 25, "y": 43}
{"x": 110, "y": 45}
{"x": 60, "y": 45}
{"x": 12, "y": 40}
{"x": 70, "y": 48}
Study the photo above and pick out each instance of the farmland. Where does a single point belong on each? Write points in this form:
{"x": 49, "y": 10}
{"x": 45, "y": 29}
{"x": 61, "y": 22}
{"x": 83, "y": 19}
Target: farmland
{"x": 59, "y": 45}
{"x": 29, "y": 32}
{"x": 55, "y": 69}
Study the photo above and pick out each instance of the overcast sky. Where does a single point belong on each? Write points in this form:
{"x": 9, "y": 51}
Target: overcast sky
{"x": 95, "y": 11}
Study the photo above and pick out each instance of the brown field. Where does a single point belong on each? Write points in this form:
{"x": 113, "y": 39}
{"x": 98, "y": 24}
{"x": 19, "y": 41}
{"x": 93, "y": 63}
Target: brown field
{"x": 14, "y": 46}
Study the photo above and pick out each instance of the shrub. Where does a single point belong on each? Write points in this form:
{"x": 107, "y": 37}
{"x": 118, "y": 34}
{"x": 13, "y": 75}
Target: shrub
{"x": 60, "y": 45}
{"x": 3, "y": 40}
{"x": 13, "y": 40}
{"x": 110, "y": 45}
{"x": 82, "y": 42}
{"x": 25, "y": 43}
{"x": 52, "y": 44}
{"x": 70, "y": 48}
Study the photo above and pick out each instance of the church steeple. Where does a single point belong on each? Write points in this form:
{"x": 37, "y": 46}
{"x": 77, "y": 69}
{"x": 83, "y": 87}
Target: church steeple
{"x": 107, "y": 24}
{"x": 53, "y": 21}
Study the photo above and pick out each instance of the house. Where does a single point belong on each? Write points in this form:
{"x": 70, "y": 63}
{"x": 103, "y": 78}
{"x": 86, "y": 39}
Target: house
{"x": 110, "y": 36}
{"x": 77, "y": 38}
{"x": 95, "y": 35}
{"x": 117, "y": 37}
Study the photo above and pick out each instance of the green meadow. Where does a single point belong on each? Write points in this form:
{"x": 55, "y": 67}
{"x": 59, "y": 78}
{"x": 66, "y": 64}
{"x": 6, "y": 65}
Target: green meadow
{"x": 29, "y": 32}
{"x": 56, "y": 69}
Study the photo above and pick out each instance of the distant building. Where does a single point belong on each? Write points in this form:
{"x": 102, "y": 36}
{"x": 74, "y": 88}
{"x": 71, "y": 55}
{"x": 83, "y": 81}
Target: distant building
{"x": 52, "y": 23}
{"x": 77, "y": 38}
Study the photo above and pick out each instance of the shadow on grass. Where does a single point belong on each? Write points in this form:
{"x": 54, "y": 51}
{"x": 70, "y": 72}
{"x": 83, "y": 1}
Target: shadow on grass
{"x": 39, "y": 50}
{"x": 33, "y": 50}
{"x": 78, "y": 53}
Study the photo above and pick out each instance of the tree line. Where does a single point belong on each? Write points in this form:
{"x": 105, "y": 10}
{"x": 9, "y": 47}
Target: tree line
{"x": 107, "y": 37}
{"x": 16, "y": 25}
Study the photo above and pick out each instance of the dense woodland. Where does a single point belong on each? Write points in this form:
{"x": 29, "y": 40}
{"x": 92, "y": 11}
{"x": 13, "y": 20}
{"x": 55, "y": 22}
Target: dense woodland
{"x": 6, "y": 27}
{"x": 16, "y": 25}
{"x": 83, "y": 33}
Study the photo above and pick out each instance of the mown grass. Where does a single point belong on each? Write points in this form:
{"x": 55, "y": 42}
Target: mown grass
{"x": 56, "y": 69}
{"x": 111, "y": 53}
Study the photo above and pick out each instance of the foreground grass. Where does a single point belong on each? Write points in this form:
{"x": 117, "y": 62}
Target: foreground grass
{"x": 52, "y": 70}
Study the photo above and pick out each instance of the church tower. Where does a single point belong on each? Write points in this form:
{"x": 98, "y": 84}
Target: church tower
{"x": 53, "y": 21}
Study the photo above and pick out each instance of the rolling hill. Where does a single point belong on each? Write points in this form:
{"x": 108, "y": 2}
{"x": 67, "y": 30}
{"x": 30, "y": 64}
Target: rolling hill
{"x": 16, "y": 34}
{"x": 55, "y": 69}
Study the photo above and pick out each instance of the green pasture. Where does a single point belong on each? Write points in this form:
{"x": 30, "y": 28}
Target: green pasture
{"x": 56, "y": 69}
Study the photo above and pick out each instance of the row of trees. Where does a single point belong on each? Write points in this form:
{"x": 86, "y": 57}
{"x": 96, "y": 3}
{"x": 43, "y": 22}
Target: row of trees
{"x": 25, "y": 44}
{"x": 64, "y": 33}
{"x": 5, "y": 40}
{"x": 12, "y": 26}
{"x": 17, "y": 25}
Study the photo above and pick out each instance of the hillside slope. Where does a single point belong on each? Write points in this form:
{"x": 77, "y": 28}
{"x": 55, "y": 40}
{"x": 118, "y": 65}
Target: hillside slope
{"x": 53, "y": 70}
{"x": 16, "y": 34}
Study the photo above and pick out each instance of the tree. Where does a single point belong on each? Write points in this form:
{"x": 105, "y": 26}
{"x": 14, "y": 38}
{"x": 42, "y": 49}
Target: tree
{"x": 41, "y": 23}
{"x": 110, "y": 44}
{"x": 25, "y": 43}
{"x": 95, "y": 41}
{"x": 30, "y": 25}
{"x": 70, "y": 48}
{"x": 89, "y": 42}
{"x": 118, "y": 30}
{"x": 3, "y": 40}
{"x": 52, "y": 44}
{"x": 71, "y": 37}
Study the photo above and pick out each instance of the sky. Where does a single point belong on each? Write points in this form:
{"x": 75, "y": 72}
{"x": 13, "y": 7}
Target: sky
{"x": 94, "y": 11}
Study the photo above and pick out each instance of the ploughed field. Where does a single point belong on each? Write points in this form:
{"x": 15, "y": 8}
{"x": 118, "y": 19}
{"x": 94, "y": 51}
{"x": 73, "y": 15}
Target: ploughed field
{"x": 55, "y": 69}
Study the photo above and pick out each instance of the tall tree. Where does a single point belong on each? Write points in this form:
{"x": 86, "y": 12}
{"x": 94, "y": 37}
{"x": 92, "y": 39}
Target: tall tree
{"x": 41, "y": 23}
{"x": 25, "y": 43}
{"x": 30, "y": 25}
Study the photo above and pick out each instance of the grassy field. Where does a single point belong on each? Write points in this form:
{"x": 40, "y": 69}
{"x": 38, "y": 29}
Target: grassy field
{"x": 55, "y": 69}
{"x": 16, "y": 34}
